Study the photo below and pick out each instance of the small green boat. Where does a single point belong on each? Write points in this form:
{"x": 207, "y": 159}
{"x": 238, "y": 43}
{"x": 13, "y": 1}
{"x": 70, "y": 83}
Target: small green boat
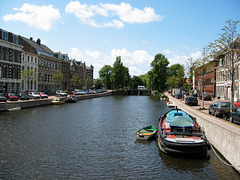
{"x": 146, "y": 133}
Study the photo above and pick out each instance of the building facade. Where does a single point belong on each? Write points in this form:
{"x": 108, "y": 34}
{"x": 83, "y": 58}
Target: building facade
{"x": 224, "y": 77}
{"x": 10, "y": 62}
{"x": 209, "y": 79}
{"x": 28, "y": 65}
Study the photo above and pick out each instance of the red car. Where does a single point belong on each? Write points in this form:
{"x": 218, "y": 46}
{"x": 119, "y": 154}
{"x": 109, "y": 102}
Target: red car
{"x": 237, "y": 104}
{"x": 72, "y": 92}
{"x": 11, "y": 97}
{"x": 43, "y": 95}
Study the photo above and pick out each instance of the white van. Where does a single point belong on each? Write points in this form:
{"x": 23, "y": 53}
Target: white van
{"x": 142, "y": 88}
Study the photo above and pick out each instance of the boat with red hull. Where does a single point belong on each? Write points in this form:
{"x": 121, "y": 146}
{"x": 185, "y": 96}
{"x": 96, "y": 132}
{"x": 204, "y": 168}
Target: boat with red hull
{"x": 180, "y": 135}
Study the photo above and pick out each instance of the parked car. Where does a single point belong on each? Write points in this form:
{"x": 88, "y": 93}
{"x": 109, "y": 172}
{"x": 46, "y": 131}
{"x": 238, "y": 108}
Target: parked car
{"x": 61, "y": 93}
{"x": 190, "y": 100}
{"x": 195, "y": 95}
{"x": 11, "y": 96}
{"x": 179, "y": 95}
{"x": 34, "y": 95}
{"x": 43, "y": 95}
{"x": 79, "y": 92}
{"x": 23, "y": 96}
{"x": 235, "y": 116}
{"x": 237, "y": 104}
{"x": 169, "y": 91}
{"x": 2, "y": 98}
{"x": 207, "y": 97}
{"x": 73, "y": 93}
{"x": 187, "y": 93}
{"x": 220, "y": 108}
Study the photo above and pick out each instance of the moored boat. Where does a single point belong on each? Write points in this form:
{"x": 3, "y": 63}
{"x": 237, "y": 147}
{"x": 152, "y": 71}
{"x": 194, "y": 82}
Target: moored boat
{"x": 71, "y": 98}
{"x": 179, "y": 134}
{"x": 171, "y": 104}
{"x": 146, "y": 133}
{"x": 58, "y": 100}
{"x": 164, "y": 98}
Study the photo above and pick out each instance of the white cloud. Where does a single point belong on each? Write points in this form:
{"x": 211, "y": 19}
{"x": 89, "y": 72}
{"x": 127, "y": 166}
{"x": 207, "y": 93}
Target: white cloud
{"x": 196, "y": 55}
{"x": 39, "y": 17}
{"x": 93, "y": 54}
{"x": 178, "y": 59}
{"x": 124, "y": 12}
{"x": 137, "y": 61}
{"x": 166, "y": 51}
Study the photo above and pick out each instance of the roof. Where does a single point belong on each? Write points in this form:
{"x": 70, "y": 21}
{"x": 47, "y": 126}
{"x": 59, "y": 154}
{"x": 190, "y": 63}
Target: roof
{"x": 39, "y": 48}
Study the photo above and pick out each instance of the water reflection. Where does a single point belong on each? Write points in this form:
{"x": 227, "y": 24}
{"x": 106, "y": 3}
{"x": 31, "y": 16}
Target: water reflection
{"x": 93, "y": 139}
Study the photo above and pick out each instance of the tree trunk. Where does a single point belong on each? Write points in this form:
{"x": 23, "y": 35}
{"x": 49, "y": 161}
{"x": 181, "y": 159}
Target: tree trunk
{"x": 203, "y": 91}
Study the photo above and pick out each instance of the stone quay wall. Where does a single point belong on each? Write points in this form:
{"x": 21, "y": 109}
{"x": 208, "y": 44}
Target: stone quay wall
{"x": 10, "y": 105}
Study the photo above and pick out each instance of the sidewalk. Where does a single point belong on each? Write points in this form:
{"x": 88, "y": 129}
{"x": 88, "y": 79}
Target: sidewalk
{"x": 200, "y": 104}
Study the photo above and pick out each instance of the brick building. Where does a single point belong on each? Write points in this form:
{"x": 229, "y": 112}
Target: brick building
{"x": 209, "y": 79}
{"x": 10, "y": 62}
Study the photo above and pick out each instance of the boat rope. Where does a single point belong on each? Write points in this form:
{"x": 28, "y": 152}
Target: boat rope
{"x": 219, "y": 156}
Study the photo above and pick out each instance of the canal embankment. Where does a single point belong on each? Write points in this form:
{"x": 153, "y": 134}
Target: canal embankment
{"x": 21, "y": 104}
{"x": 223, "y": 135}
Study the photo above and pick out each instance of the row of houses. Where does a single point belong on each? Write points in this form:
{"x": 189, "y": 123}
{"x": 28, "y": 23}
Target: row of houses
{"x": 218, "y": 77}
{"x": 26, "y": 64}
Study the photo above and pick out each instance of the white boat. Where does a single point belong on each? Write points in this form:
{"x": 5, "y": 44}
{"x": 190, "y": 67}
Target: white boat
{"x": 171, "y": 104}
{"x": 58, "y": 100}
{"x": 15, "y": 109}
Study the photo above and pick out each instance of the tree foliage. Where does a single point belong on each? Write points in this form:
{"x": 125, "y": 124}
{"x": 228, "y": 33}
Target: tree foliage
{"x": 76, "y": 80}
{"x": 135, "y": 81}
{"x": 115, "y": 77}
{"x": 57, "y": 78}
{"x": 105, "y": 74}
{"x": 88, "y": 82}
{"x": 158, "y": 74}
{"x": 228, "y": 45}
{"x": 28, "y": 75}
{"x": 175, "y": 77}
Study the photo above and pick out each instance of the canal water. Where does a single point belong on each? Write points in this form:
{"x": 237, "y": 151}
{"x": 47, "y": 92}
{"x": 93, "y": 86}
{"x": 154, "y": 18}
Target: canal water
{"x": 94, "y": 139}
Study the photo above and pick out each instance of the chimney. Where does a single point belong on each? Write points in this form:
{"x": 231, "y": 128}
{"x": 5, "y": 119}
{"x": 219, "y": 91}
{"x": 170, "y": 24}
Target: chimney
{"x": 38, "y": 41}
{"x": 31, "y": 38}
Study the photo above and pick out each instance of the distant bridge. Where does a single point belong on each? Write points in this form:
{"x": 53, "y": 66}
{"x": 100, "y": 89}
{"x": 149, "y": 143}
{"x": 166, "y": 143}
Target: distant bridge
{"x": 139, "y": 92}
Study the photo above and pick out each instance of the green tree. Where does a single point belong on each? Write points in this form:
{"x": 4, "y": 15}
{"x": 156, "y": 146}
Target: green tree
{"x": 28, "y": 75}
{"x": 175, "y": 77}
{"x": 201, "y": 68}
{"x": 88, "y": 82}
{"x": 98, "y": 83}
{"x": 105, "y": 74}
{"x": 159, "y": 72}
{"x": 57, "y": 78}
{"x": 126, "y": 76}
{"x": 150, "y": 80}
{"x": 172, "y": 70}
{"x": 228, "y": 45}
{"x": 76, "y": 80}
{"x": 135, "y": 81}
{"x": 118, "y": 74}
{"x": 144, "y": 78}
{"x": 171, "y": 82}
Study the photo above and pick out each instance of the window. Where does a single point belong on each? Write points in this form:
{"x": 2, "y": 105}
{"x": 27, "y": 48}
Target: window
{"x": 1, "y": 72}
{"x": 7, "y": 54}
{"x": 1, "y": 54}
{"x": 18, "y": 57}
{"x": 13, "y": 56}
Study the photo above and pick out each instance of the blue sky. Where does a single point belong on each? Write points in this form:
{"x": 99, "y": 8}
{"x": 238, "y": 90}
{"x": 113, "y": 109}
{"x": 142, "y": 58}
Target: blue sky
{"x": 96, "y": 32}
